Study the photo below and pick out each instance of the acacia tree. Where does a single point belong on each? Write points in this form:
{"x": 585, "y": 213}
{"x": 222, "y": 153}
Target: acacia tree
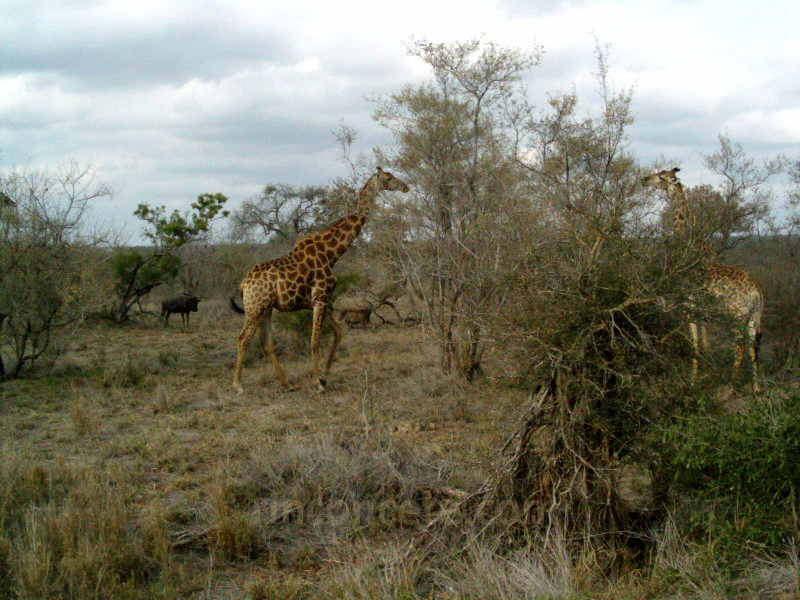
{"x": 729, "y": 214}
{"x": 453, "y": 235}
{"x": 137, "y": 274}
{"x": 600, "y": 295}
{"x": 282, "y": 213}
{"x": 48, "y": 270}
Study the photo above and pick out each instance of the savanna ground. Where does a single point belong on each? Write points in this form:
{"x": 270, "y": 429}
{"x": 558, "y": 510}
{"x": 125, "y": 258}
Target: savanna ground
{"x": 131, "y": 469}
{"x": 148, "y": 415}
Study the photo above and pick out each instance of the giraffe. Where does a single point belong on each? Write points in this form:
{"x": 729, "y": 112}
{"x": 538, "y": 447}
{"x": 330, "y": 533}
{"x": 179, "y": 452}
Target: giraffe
{"x": 304, "y": 279}
{"x": 737, "y": 290}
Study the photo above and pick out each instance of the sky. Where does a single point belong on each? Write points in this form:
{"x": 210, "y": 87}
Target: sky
{"x": 171, "y": 99}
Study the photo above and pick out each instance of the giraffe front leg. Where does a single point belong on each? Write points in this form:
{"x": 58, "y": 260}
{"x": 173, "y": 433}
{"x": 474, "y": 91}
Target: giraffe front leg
{"x": 337, "y": 337}
{"x": 316, "y": 334}
{"x": 738, "y": 354}
{"x": 755, "y": 340}
{"x": 695, "y": 350}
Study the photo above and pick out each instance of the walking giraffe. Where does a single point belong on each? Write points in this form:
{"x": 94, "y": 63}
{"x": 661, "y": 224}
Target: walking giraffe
{"x": 736, "y": 289}
{"x": 304, "y": 279}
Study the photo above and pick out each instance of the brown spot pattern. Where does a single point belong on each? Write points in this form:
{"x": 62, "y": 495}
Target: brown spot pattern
{"x": 304, "y": 278}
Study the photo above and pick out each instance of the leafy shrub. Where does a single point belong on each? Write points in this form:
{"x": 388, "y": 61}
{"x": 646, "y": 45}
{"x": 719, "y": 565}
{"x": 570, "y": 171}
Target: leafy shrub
{"x": 136, "y": 275}
{"x": 738, "y": 473}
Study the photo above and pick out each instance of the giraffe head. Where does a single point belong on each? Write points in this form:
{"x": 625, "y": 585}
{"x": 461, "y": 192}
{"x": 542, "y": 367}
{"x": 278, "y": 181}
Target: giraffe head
{"x": 669, "y": 182}
{"x": 387, "y": 181}
{"x": 663, "y": 180}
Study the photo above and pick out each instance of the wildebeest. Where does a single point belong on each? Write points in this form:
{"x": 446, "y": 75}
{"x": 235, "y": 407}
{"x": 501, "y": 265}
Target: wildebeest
{"x": 355, "y": 316}
{"x": 183, "y": 304}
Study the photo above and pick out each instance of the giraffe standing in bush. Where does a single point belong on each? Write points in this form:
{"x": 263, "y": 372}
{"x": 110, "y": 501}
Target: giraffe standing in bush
{"x": 304, "y": 279}
{"x": 736, "y": 289}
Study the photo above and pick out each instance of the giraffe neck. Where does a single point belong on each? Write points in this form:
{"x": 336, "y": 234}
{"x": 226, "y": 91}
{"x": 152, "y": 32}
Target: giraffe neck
{"x": 343, "y": 234}
{"x": 680, "y": 208}
{"x": 330, "y": 243}
{"x": 680, "y": 220}
{"x": 367, "y": 195}
{"x": 326, "y": 246}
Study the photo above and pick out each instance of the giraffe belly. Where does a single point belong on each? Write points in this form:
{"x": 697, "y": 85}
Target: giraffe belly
{"x": 292, "y": 297}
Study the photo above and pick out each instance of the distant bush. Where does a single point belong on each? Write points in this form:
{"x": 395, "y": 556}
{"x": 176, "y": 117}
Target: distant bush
{"x": 49, "y": 262}
{"x": 736, "y": 477}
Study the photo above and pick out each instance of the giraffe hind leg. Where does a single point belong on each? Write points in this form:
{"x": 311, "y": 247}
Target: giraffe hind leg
{"x": 737, "y": 356}
{"x": 248, "y": 330}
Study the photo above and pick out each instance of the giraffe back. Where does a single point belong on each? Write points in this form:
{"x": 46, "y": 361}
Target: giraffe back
{"x": 738, "y": 291}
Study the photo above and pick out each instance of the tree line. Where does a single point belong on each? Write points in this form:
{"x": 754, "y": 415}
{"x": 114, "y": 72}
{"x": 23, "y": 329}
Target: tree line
{"x": 514, "y": 205}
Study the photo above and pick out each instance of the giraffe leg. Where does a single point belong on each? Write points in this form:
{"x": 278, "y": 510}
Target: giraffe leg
{"x": 269, "y": 348}
{"x": 693, "y": 334}
{"x": 737, "y": 356}
{"x": 263, "y": 333}
{"x": 754, "y": 339}
{"x": 337, "y": 337}
{"x": 250, "y": 326}
{"x": 316, "y": 332}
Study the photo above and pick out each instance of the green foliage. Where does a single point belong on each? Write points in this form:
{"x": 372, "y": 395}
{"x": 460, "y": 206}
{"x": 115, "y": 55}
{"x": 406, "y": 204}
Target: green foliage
{"x": 738, "y": 473}
{"x": 178, "y": 229}
{"x": 136, "y": 275}
{"x": 131, "y": 267}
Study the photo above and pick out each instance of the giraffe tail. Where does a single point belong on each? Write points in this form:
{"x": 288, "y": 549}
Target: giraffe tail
{"x": 236, "y": 307}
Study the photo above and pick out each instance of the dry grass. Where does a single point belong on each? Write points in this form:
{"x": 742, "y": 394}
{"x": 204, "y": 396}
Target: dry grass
{"x": 137, "y": 433}
{"x": 132, "y": 470}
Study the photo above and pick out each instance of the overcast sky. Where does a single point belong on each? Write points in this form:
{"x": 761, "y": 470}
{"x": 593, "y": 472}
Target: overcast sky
{"x": 172, "y": 99}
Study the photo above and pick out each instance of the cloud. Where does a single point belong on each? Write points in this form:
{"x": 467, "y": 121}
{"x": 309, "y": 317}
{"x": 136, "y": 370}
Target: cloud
{"x": 117, "y": 46}
{"x": 173, "y": 99}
